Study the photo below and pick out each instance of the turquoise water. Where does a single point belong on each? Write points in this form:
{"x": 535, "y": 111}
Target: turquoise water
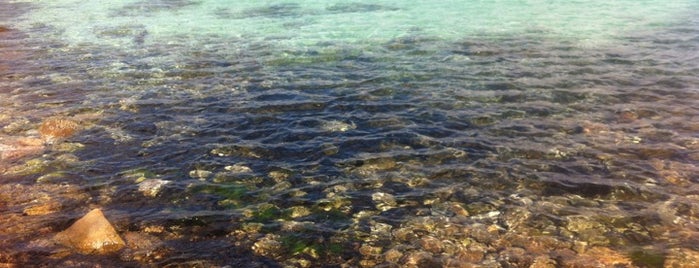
{"x": 365, "y": 133}
{"x": 294, "y": 24}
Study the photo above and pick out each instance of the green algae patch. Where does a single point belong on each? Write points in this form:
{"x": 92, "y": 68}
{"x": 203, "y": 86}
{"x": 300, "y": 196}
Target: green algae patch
{"x": 647, "y": 259}
{"x": 138, "y": 174}
{"x": 31, "y": 167}
{"x": 315, "y": 57}
{"x": 299, "y": 243}
{"x": 266, "y": 213}
{"x": 226, "y": 191}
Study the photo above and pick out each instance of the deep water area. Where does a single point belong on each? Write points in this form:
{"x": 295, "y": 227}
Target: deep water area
{"x": 265, "y": 137}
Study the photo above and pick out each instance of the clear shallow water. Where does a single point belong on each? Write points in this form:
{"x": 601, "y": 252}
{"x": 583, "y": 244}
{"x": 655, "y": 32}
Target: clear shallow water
{"x": 308, "y": 133}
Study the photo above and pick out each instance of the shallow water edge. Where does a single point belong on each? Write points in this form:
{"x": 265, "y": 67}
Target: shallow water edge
{"x": 419, "y": 151}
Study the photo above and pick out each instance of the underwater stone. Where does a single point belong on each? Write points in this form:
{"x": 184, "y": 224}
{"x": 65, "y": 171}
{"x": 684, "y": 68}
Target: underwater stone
{"x": 329, "y": 149}
{"x": 543, "y": 262}
{"x": 238, "y": 168}
{"x": 69, "y": 147}
{"x": 57, "y": 128}
{"x": 682, "y": 257}
{"x": 27, "y": 141}
{"x": 369, "y": 250}
{"x": 393, "y": 255}
{"x": 278, "y": 176}
{"x": 587, "y": 229}
{"x": 151, "y": 187}
{"x": 45, "y": 207}
{"x": 626, "y": 116}
{"x": 200, "y": 174}
{"x": 377, "y": 164}
{"x": 420, "y": 259}
{"x": 52, "y": 177}
{"x": 596, "y": 257}
{"x": 12, "y": 153}
{"x": 381, "y": 229}
{"x": 141, "y": 246}
{"x": 91, "y": 234}
{"x": 17, "y": 126}
{"x": 474, "y": 253}
{"x": 384, "y": 201}
{"x": 33, "y": 166}
{"x": 337, "y": 126}
{"x": 268, "y": 246}
{"x": 235, "y": 150}
{"x": 431, "y": 244}
{"x": 298, "y": 211}
{"x": 296, "y": 226}
{"x": 515, "y": 257}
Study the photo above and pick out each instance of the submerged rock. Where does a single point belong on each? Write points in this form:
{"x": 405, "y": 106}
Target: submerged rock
{"x": 337, "y": 126}
{"x": 46, "y": 207}
{"x": 595, "y": 257}
{"x": 142, "y": 247}
{"x": 682, "y": 257}
{"x": 238, "y": 168}
{"x": 10, "y": 153}
{"x": 32, "y": 166}
{"x": 373, "y": 165}
{"x": 151, "y": 187}
{"x": 91, "y": 234}
{"x": 268, "y": 246}
{"x": 384, "y": 201}
{"x": 200, "y": 174}
{"x": 57, "y": 128}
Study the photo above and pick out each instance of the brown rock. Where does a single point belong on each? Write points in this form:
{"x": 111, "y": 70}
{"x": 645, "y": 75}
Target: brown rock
{"x": 44, "y": 208}
{"x": 368, "y": 250}
{"x": 419, "y": 259}
{"x": 91, "y": 234}
{"x": 472, "y": 254}
{"x": 627, "y": 116}
{"x": 142, "y": 247}
{"x": 682, "y": 258}
{"x": 13, "y": 153}
{"x": 431, "y": 244}
{"x": 26, "y": 141}
{"x": 596, "y": 257}
{"x": 57, "y": 127}
{"x": 515, "y": 257}
{"x": 393, "y": 255}
{"x": 543, "y": 262}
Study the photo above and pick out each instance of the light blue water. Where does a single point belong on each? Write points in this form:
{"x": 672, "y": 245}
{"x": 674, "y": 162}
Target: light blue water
{"x": 304, "y": 133}
{"x": 293, "y": 24}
